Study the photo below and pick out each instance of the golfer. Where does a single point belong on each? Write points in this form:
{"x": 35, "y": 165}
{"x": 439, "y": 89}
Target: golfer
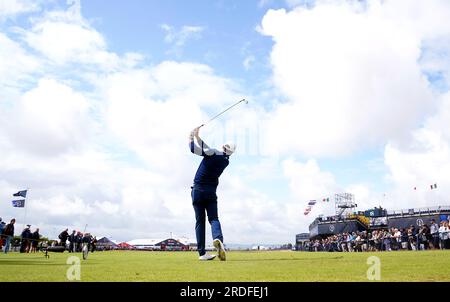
{"x": 204, "y": 198}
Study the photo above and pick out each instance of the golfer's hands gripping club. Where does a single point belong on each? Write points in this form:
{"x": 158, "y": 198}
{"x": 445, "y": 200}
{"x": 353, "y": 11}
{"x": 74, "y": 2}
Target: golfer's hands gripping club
{"x": 195, "y": 133}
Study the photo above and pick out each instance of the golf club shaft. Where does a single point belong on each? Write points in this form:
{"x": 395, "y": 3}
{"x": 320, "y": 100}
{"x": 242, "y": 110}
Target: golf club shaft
{"x": 243, "y": 100}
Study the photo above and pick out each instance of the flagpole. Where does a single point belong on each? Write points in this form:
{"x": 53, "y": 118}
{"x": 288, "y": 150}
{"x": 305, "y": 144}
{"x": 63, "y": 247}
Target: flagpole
{"x": 25, "y": 206}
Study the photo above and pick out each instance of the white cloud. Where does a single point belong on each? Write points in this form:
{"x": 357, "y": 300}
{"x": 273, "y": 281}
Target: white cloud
{"x": 424, "y": 161}
{"x": 294, "y": 3}
{"x": 350, "y": 72}
{"x": 50, "y": 119}
{"x": 307, "y": 181}
{"x": 248, "y": 61}
{"x": 66, "y": 37}
{"x": 11, "y": 8}
{"x": 178, "y": 38}
{"x": 16, "y": 68}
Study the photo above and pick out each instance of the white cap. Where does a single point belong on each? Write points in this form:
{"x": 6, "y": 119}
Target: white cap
{"x": 230, "y": 147}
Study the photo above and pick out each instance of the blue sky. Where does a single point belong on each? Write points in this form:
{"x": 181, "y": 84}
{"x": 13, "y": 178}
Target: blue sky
{"x": 229, "y": 32}
{"x": 346, "y": 96}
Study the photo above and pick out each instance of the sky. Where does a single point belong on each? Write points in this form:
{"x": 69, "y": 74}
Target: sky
{"x": 97, "y": 100}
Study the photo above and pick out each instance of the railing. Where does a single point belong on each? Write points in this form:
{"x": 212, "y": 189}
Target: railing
{"x": 416, "y": 211}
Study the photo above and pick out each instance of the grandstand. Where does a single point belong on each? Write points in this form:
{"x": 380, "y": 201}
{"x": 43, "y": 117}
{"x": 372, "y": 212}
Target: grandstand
{"x": 347, "y": 219}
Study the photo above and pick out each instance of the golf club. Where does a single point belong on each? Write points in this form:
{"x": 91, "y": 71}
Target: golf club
{"x": 241, "y": 101}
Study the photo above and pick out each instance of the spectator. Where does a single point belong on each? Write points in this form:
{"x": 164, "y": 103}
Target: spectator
{"x": 2, "y": 227}
{"x": 350, "y": 242}
{"x": 87, "y": 239}
{"x": 358, "y": 243}
{"x": 72, "y": 241}
{"x": 434, "y": 231}
{"x": 63, "y": 237}
{"x": 397, "y": 239}
{"x": 444, "y": 235}
{"x": 364, "y": 245}
{"x": 428, "y": 237}
{"x": 371, "y": 241}
{"x": 387, "y": 241}
{"x": 404, "y": 239}
{"x": 78, "y": 242}
{"x": 422, "y": 238}
{"x": 378, "y": 241}
{"x": 26, "y": 237}
{"x": 8, "y": 233}
{"x": 344, "y": 243}
{"x": 35, "y": 241}
{"x": 94, "y": 244}
{"x": 411, "y": 238}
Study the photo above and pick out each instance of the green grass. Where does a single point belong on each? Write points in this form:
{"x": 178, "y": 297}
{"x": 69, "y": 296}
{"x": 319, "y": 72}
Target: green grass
{"x": 240, "y": 266}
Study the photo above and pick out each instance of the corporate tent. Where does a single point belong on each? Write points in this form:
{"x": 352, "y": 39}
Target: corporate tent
{"x": 106, "y": 244}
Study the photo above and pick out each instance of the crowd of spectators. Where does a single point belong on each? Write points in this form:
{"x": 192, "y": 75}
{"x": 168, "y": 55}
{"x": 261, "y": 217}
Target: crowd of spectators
{"x": 32, "y": 242}
{"x": 74, "y": 241}
{"x": 413, "y": 238}
{"x": 28, "y": 242}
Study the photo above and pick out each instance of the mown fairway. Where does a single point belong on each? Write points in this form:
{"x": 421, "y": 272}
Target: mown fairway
{"x": 240, "y": 266}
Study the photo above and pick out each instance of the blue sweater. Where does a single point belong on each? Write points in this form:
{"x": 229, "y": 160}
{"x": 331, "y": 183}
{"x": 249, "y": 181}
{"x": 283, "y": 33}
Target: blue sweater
{"x": 213, "y": 164}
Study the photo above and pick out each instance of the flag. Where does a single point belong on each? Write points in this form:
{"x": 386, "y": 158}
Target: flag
{"x": 312, "y": 202}
{"x": 433, "y": 186}
{"x": 18, "y": 203}
{"x": 21, "y": 194}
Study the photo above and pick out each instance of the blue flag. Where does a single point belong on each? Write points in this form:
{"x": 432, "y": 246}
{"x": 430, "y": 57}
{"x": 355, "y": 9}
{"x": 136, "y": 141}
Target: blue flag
{"x": 21, "y": 194}
{"x": 312, "y": 202}
{"x": 18, "y": 203}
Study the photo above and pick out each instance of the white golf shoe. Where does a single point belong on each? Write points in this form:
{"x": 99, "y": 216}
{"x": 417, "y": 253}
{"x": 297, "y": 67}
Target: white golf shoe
{"x": 207, "y": 257}
{"x": 220, "y": 249}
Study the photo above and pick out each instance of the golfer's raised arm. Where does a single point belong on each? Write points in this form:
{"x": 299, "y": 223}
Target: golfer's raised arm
{"x": 200, "y": 151}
